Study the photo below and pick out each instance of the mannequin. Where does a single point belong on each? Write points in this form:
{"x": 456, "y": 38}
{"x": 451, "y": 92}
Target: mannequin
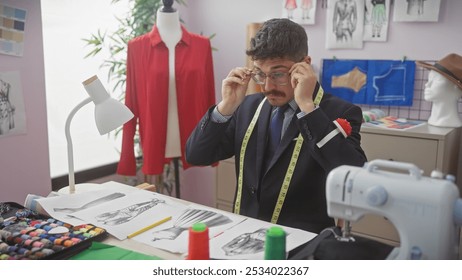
{"x": 169, "y": 86}
{"x": 168, "y": 23}
{"x": 444, "y": 89}
{"x": 444, "y": 96}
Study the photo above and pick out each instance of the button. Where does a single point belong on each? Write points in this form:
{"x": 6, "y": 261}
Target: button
{"x": 203, "y": 124}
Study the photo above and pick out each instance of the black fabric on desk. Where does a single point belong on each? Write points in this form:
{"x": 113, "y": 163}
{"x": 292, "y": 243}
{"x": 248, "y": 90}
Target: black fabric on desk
{"x": 326, "y": 247}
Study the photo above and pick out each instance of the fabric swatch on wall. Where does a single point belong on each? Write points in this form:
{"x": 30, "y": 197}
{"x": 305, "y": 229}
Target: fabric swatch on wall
{"x": 12, "y": 29}
{"x": 372, "y": 82}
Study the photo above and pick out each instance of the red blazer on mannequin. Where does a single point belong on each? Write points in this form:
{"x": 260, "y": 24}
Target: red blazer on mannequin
{"x": 147, "y": 95}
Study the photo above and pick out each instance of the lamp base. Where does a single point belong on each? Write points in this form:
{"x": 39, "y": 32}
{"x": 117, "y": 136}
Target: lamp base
{"x": 81, "y": 188}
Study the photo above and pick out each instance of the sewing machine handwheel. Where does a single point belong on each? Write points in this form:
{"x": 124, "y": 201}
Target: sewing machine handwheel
{"x": 376, "y": 195}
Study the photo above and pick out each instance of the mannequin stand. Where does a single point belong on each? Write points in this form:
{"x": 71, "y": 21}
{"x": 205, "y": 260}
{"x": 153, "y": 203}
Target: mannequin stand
{"x": 177, "y": 176}
{"x": 162, "y": 181}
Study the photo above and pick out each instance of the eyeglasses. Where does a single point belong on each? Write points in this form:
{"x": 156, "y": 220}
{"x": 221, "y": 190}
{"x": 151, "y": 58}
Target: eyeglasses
{"x": 277, "y": 78}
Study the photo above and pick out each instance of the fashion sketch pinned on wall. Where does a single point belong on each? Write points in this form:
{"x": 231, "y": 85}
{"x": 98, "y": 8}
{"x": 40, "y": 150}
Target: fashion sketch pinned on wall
{"x": 345, "y": 24}
{"x": 376, "y": 20}
{"x": 372, "y": 82}
{"x": 299, "y": 11}
{"x": 416, "y": 10}
{"x": 12, "y": 112}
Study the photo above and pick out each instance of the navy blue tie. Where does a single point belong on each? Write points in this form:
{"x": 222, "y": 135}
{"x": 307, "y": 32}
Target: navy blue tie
{"x": 276, "y": 127}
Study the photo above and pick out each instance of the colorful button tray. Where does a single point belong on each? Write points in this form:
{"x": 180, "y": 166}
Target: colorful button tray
{"x": 25, "y": 234}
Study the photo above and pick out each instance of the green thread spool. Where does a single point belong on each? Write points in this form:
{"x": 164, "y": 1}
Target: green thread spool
{"x": 275, "y": 244}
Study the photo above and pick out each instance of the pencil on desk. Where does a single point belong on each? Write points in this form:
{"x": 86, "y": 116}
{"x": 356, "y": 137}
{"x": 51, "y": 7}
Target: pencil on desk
{"x": 149, "y": 227}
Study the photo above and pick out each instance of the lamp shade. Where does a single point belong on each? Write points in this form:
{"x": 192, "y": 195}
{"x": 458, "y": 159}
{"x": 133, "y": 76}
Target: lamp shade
{"x": 109, "y": 113}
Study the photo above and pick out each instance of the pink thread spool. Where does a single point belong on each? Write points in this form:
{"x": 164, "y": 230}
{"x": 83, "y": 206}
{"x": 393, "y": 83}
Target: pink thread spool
{"x": 198, "y": 246}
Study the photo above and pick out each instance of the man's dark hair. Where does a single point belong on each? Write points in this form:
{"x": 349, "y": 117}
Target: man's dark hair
{"x": 279, "y": 38}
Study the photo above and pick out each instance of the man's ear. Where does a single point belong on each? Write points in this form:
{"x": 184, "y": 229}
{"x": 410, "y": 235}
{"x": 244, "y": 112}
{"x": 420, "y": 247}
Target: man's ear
{"x": 307, "y": 59}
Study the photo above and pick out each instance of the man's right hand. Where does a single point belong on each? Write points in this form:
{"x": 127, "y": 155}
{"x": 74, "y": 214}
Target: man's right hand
{"x": 233, "y": 90}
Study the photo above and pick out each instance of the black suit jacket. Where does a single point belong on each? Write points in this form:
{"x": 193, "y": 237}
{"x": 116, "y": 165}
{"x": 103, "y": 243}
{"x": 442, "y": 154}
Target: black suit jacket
{"x": 305, "y": 203}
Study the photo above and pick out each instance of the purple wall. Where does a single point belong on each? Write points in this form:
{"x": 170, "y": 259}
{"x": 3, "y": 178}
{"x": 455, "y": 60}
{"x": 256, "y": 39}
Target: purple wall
{"x": 24, "y": 164}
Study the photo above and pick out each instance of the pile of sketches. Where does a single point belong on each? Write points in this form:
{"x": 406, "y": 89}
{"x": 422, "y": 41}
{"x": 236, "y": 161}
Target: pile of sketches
{"x": 123, "y": 212}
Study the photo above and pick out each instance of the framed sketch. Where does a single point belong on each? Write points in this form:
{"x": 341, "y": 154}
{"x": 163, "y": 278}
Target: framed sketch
{"x": 299, "y": 11}
{"x": 345, "y": 24}
{"x": 416, "y": 10}
{"x": 12, "y": 111}
{"x": 376, "y": 20}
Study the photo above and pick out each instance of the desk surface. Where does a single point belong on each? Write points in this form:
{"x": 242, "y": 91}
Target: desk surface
{"x": 114, "y": 214}
{"x": 139, "y": 247}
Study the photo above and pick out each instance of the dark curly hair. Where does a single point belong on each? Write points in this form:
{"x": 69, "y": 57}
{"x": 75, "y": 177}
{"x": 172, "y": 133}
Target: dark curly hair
{"x": 279, "y": 38}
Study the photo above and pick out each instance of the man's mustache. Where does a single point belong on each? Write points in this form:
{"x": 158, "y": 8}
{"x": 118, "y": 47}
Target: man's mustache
{"x": 275, "y": 93}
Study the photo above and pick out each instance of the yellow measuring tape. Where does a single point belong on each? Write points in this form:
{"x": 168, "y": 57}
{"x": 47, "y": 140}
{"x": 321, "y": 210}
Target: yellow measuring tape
{"x": 290, "y": 169}
{"x": 245, "y": 141}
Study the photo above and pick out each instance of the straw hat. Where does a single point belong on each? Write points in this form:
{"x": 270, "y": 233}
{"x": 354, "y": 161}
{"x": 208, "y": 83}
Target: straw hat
{"x": 450, "y": 67}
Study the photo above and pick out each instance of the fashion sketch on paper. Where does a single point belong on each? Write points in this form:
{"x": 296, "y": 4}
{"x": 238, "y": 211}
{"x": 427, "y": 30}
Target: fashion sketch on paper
{"x": 345, "y": 19}
{"x": 92, "y": 203}
{"x": 246, "y": 243}
{"x": 187, "y": 219}
{"x": 6, "y": 108}
{"x": 126, "y": 214}
{"x": 378, "y": 17}
{"x": 290, "y": 6}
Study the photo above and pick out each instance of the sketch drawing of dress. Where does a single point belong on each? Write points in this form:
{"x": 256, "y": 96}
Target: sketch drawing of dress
{"x": 6, "y": 108}
{"x": 90, "y": 204}
{"x": 306, "y": 7}
{"x": 128, "y": 213}
{"x": 190, "y": 217}
{"x": 246, "y": 243}
{"x": 290, "y": 6}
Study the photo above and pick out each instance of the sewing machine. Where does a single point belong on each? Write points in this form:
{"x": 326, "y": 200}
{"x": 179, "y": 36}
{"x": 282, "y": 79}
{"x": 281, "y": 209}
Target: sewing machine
{"x": 426, "y": 211}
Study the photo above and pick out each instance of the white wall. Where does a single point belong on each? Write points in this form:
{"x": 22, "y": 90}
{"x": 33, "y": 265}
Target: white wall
{"x": 65, "y": 24}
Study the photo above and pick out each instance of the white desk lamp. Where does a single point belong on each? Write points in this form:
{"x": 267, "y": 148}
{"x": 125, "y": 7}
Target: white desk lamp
{"x": 109, "y": 114}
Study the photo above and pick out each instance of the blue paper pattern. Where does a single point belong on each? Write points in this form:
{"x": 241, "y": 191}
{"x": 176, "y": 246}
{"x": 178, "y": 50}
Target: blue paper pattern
{"x": 387, "y": 82}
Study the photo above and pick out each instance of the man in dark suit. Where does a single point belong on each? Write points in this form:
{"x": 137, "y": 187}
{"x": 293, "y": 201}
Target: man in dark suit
{"x": 281, "y": 175}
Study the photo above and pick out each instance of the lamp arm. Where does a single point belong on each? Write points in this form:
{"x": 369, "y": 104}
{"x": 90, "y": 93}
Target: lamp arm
{"x": 70, "y": 153}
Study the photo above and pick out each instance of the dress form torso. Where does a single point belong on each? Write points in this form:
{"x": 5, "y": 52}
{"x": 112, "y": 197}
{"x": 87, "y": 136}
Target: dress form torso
{"x": 170, "y": 32}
